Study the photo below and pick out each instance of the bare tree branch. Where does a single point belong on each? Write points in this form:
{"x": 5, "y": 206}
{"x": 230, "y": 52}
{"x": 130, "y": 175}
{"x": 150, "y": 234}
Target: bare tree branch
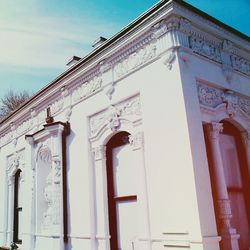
{"x": 11, "y": 101}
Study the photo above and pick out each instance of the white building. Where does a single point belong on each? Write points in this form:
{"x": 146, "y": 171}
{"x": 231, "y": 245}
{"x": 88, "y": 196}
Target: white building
{"x": 142, "y": 144}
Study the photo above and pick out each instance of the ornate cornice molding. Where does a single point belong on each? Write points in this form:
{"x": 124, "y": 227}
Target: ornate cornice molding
{"x": 161, "y": 33}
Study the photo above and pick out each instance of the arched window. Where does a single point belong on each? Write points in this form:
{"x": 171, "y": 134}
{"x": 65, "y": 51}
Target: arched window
{"x": 237, "y": 181}
{"x": 17, "y": 208}
{"x": 235, "y": 175}
{"x": 122, "y": 192}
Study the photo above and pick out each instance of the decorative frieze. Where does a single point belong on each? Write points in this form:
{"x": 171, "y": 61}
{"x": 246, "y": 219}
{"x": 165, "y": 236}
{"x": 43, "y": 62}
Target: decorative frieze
{"x": 57, "y": 106}
{"x": 212, "y": 97}
{"x": 209, "y": 96}
{"x": 244, "y": 104}
{"x": 205, "y": 48}
{"x": 135, "y": 60}
{"x": 86, "y": 89}
{"x": 113, "y": 115}
{"x": 140, "y": 51}
{"x": 240, "y": 64}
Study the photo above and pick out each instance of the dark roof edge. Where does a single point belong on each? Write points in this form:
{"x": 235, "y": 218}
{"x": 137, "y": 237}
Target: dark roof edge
{"x": 125, "y": 30}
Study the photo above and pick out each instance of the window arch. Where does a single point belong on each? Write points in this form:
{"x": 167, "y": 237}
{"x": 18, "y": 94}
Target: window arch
{"x": 122, "y": 192}
{"x": 235, "y": 175}
{"x": 17, "y": 208}
{"x": 237, "y": 181}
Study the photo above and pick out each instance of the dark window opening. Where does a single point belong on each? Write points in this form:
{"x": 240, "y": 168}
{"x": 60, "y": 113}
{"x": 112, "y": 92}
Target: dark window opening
{"x": 114, "y": 199}
{"x": 17, "y": 208}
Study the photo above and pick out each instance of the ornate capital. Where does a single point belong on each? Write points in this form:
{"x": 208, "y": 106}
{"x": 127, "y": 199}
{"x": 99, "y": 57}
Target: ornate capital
{"x": 214, "y": 129}
{"x": 99, "y": 153}
{"x": 245, "y": 137}
{"x": 137, "y": 140}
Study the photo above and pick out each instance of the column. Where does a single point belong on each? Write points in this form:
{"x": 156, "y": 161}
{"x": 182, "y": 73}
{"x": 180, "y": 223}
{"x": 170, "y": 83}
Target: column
{"x": 245, "y": 136}
{"x": 101, "y": 198}
{"x": 137, "y": 142}
{"x": 9, "y": 235}
{"x": 30, "y": 195}
{"x": 57, "y": 177}
{"x": 228, "y": 234}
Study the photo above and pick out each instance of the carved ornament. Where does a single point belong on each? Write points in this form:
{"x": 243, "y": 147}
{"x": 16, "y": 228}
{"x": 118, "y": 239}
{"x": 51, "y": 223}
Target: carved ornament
{"x": 213, "y": 97}
{"x": 112, "y": 116}
{"x": 214, "y": 129}
{"x": 169, "y": 59}
{"x": 137, "y": 140}
{"x": 14, "y": 162}
{"x": 135, "y": 60}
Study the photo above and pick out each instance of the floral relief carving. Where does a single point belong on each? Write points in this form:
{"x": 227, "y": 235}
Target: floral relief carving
{"x": 209, "y": 96}
{"x": 159, "y": 29}
{"x": 86, "y": 89}
{"x": 114, "y": 114}
{"x": 44, "y": 154}
{"x": 240, "y": 64}
{"x": 57, "y": 170}
{"x": 169, "y": 59}
{"x": 48, "y": 195}
{"x": 244, "y": 104}
{"x": 14, "y": 162}
{"x": 212, "y": 97}
{"x": 135, "y": 59}
{"x": 57, "y": 106}
{"x": 205, "y": 48}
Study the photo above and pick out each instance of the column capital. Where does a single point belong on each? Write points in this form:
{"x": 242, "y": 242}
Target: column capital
{"x": 137, "y": 140}
{"x": 214, "y": 129}
{"x": 99, "y": 152}
{"x": 245, "y": 137}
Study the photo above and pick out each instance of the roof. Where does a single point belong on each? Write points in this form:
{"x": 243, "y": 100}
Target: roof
{"x": 122, "y": 33}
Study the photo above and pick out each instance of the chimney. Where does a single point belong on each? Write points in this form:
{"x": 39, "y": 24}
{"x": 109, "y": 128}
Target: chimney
{"x": 73, "y": 61}
{"x": 98, "y": 42}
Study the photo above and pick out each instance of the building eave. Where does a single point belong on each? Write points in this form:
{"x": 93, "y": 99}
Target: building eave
{"x": 108, "y": 43}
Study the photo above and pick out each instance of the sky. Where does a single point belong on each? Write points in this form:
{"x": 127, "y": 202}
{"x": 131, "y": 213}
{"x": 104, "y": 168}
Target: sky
{"x": 38, "y": 37}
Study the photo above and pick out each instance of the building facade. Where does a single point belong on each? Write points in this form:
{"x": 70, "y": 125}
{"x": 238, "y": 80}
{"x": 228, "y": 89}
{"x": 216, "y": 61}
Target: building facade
{"x": 142, "y": 144}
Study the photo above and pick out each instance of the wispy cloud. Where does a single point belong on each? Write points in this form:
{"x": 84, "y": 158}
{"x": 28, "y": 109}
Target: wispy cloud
{"x": 47, "y": 41}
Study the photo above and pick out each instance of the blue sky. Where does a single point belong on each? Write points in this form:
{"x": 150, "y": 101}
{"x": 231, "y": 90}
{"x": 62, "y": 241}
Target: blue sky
{"x": 38, "y": 37}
